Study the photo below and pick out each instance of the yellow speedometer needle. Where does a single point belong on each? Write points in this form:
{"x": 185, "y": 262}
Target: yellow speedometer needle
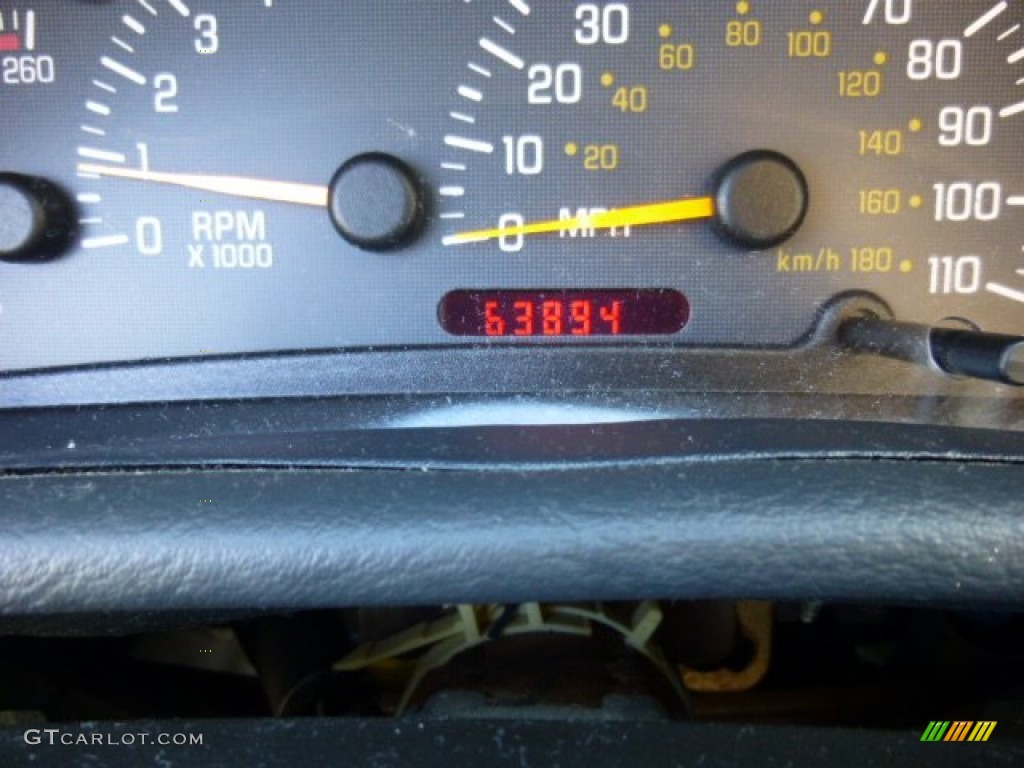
{"x": 236, "y": 186}
{"x": 690, "y": 209}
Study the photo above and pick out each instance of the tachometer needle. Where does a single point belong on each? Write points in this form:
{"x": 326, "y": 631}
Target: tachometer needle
{"x": 236, "y": 186}
{"x": 670, "y": 212}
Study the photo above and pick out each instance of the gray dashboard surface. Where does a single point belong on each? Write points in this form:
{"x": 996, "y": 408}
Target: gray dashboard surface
{"x": 262, "y": 539}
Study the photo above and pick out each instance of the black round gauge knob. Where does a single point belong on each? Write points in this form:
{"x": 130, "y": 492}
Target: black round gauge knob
{"x": 761, "y": 200}
{"x": 36, "y": 219}
{"x": 376, "y": 202}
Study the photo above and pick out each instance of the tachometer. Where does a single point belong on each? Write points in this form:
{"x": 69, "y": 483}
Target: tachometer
{"x": 758, "y": 158}
{"x": 245, "y": 170}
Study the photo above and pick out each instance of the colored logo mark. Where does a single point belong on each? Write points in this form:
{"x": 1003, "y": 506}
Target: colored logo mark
{"x": 960, "y": 730}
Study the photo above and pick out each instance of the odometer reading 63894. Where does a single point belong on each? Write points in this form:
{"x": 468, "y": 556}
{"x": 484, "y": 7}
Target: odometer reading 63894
{"x": 571, "y": 314}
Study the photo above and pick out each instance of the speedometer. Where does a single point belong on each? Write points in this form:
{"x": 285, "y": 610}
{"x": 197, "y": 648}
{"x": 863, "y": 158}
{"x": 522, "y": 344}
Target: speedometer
{"x": 759, "y": 158}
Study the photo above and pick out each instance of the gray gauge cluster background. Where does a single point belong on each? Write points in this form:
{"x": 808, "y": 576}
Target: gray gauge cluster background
{"x": 296, "y": 90}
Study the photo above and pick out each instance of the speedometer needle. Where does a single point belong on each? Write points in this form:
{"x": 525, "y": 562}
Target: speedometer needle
{"x": 673, "y": 211}
{"x": 236, "y": 186}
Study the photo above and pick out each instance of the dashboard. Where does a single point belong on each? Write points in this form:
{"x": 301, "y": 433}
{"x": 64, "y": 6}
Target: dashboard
{"x": 310, "y": 305}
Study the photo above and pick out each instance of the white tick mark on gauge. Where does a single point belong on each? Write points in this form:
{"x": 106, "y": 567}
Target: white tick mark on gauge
{"x": 30, "y": 31}
{"x": 459, "y": 240}
{"x": 1005, "y": 292}
{"x": 1011, "y": 31}
{"x": 120, "y": 69}
{"x": 134, "y": 24}
{"x": 122, "y": 44}
{"x": 98, "y": 109}
{"x": 986, "y": 18}
{"x": 502, "y": 53}
{"x": 470, "y": 145}
{"x": 180, "y": 7}
{"x": 93, "y": 243}
{"x": 504, "y": 25}
{"x": 99, "y": 154}
{"x": 1013, "y": 109}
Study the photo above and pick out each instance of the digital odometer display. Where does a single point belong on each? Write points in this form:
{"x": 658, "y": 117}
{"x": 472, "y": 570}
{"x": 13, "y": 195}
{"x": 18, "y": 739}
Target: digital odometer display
{"x": 554, "y": 313}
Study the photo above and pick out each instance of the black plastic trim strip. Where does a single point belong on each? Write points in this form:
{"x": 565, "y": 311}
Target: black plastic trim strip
{"x": 430, "y": 435}
{"x": 494, "y": 370}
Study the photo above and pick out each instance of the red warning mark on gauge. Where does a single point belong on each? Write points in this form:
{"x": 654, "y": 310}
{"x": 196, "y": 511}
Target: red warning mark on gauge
{"x": 17, "y": 31}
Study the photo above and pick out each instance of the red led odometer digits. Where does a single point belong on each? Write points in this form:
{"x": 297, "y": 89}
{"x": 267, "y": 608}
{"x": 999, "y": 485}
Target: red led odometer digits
{"x": 568, "y": 314}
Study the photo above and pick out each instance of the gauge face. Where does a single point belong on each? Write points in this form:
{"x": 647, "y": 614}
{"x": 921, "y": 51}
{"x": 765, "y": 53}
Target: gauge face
{"x": 196, "y": 177}
{"x": 761, "y": 158}
{"x": 241, "y": 162}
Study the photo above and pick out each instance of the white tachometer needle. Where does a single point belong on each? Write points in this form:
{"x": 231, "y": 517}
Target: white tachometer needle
{"x": 236, "y": 186}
